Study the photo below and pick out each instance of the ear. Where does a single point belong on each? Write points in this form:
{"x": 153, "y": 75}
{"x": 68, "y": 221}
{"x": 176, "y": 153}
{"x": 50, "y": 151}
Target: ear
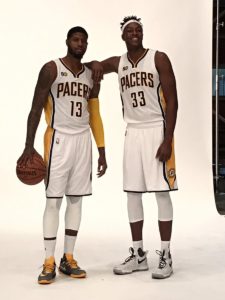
{"x": 122, "y": 36}
{"x": 66, "y": 42}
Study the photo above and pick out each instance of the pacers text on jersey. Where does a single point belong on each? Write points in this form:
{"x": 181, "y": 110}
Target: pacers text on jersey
{"x": 137, "y": 79}
{"x": 73, "y": 89}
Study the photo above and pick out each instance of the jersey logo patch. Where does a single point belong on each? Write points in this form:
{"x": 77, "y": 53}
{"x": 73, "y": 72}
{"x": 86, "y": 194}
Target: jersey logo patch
{"x": 64, "y": 73}
{"x": 171, "y": 173}
{"x": 125, "y": 68}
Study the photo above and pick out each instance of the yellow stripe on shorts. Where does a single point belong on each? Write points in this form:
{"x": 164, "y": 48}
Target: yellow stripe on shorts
{"x": 170, "y": 169}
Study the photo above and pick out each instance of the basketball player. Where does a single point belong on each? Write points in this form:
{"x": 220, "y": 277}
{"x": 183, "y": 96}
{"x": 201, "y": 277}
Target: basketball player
{"x": 70, "y": 99}
{"x": 148, "y": 92}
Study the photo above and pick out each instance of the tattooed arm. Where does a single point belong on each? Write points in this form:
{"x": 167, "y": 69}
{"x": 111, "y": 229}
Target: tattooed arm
{"x": 46, "y": 77}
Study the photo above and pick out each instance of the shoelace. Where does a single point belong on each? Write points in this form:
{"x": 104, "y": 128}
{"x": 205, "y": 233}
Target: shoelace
{"x": 131, "y": 250}
{"x": 48, "y": 268}
{"x": 72, "y": 263}
{"x": 162, "y": 259}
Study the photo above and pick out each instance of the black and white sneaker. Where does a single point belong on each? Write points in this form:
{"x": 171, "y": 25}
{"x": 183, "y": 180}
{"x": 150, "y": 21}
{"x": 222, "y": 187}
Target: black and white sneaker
{"x": 164, "y": 269}
{"x": 133, "y": 263}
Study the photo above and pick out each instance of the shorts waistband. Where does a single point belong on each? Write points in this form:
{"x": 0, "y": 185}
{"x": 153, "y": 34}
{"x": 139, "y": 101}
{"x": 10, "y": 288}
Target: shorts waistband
{"x": 145, "y": 125}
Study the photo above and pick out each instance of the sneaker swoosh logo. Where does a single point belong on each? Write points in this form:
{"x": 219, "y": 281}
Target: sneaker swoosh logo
{"x": 141, "y": 260}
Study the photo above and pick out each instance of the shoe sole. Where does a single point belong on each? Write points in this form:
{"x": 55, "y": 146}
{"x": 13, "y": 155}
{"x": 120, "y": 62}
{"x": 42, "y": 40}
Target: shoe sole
{"x": 126, "y": 273}
{"x": 46, "y": 281}
{"x": 73, "y": 276}
{"x": 156, "y": 276}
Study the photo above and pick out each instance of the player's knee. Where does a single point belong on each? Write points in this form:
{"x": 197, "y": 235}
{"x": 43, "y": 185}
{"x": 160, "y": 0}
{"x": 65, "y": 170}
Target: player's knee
{"x": 53, "y": 204}
{"x": 74, "y": 200}
{"x": 135, "y": 207}
{"x": 165, "y": 207}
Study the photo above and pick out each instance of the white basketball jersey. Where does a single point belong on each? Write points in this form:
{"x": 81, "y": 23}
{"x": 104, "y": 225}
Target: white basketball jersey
{"x": 140, "y": 89}
{"x": 66, "y": 108}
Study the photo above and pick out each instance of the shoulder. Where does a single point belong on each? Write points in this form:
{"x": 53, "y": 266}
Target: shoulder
{"x": 48, "y": 72}
{"x": 87, "y": 71}
{"x": 161, "y": 60}
{"x": 49, "y": 67}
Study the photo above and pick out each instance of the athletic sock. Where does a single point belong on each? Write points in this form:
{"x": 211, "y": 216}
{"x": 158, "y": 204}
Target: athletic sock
{"x": 137, "y": 245}
{"x": 69, "y": 243}
{"x": 165, "y": 246}
{"x": 49, "y": 247}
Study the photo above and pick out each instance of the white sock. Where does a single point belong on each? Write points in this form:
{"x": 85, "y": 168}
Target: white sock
{"x": 72, "y": 222}
{"x": 50, "y": 224}
{"x": 49, "y": 247}
{"x": 69, "y": 243}
{"x": 165, "y": 246}
{"x": 137, "y": 245}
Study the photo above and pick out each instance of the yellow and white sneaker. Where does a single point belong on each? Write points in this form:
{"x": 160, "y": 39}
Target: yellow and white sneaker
{"x": 48, "y": 273}
{"x": 68, "y": 266}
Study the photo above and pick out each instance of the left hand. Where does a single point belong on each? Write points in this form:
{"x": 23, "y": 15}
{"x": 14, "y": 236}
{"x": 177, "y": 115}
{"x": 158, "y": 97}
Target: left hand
{"x": 102, "y": 165}
{"x": 164, "y": 151}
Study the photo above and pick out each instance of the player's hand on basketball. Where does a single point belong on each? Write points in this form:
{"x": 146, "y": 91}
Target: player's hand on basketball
{"x": 97, "y": 71}
{"x": 102, "y": 165}
{"x": 164, "y": 151}
{"x": 27, "y": 156}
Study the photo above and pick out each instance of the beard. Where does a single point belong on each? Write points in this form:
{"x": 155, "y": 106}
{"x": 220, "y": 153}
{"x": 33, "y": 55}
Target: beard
{"x": 74, "y": 54}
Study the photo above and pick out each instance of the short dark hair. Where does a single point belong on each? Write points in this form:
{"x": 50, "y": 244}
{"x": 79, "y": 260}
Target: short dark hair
{"x": 76, "y": 29}
{"x": 126, "y": 19}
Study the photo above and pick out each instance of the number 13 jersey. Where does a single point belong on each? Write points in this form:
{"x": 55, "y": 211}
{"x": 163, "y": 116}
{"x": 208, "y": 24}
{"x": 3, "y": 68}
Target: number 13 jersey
{"x": 140, "y": 89}
{"x": 66, "y": 107}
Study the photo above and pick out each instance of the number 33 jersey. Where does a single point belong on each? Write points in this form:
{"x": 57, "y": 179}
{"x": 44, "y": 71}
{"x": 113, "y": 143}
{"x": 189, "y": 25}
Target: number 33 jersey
{"x": 140, "y": 89}
{"x": 66, "y": 108}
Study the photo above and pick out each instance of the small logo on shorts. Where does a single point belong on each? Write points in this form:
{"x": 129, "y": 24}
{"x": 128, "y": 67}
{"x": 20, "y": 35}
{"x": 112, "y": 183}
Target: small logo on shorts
{"x": 171, "y": 173}
{"x": 125, "y": 68}
{"x": 64, "y": 73}
{"x": 57, "y": 141}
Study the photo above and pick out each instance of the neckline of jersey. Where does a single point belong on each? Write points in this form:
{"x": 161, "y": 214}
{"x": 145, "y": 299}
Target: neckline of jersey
{"x": 134, "y": 65}
{"x": 74, "y": 74}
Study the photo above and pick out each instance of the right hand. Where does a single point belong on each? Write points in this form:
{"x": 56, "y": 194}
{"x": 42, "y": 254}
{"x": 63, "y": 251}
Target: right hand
{"x": 97, "y": 71}
{"x": 27, "y": 156}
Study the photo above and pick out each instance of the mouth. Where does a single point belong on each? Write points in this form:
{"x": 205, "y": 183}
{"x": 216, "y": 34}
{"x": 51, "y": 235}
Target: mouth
{"x": 134, "y": 39}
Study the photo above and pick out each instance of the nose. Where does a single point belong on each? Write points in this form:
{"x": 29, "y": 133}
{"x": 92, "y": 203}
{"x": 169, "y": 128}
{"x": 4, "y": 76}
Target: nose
{"x": 80, "y": 43}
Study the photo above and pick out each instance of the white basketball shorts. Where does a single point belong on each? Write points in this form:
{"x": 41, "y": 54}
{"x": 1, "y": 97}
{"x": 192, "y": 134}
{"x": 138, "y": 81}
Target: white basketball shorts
{"x": 142, "y": 171}
{"x": 69, "y": 163}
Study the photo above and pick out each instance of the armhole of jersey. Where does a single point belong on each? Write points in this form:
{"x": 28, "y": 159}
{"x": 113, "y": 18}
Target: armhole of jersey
{"x": 153, "y": 52}
{"x": 120, "y": 62}
{"x": 57, "y": 62}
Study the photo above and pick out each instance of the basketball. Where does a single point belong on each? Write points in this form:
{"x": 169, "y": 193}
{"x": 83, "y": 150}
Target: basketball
{"x": 34, "y": 172}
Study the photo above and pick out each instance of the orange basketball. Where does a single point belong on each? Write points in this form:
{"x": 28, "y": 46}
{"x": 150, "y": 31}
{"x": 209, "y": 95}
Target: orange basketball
{"x": 34, "y": 172}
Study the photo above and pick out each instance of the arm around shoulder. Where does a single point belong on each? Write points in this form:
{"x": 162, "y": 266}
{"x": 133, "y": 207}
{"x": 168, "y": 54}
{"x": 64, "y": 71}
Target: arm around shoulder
{"x": 111, "y": 64}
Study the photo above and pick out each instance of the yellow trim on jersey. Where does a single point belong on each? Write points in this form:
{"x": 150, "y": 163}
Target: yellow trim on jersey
{"x": 47, "y": 144}
{"x": 48, "y": 110}
{"x": 162, "y": 100}
{"x": 171, "y": 169}
{"x": 96, "y": 122}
